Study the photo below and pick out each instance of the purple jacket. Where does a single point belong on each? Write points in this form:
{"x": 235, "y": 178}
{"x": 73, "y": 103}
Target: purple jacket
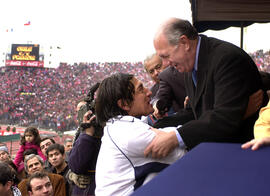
{"x": 82, "y": 160}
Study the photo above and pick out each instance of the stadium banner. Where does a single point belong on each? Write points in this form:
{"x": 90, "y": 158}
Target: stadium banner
{"x": 25, "y": 63}
{"x": 25, "y": 55}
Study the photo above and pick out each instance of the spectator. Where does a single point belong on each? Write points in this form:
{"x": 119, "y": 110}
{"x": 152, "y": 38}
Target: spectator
{"x": 33, "y": 164}
{"x": 121, "y": 100}
{"x": 4, "y": 154}
{"x": 7, "y": 181}
{"x": 68, "y": 146}
{"x": 44, "y": 145}
{"x": 39, "y": 184}
{"x": 83, "y": 157}
{"x": 16, "y": 178}
{"x": 30, "y": 140}
{"x": 56, "y": 157}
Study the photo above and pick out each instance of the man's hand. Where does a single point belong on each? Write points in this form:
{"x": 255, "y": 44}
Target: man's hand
{"x": 87, "y": 118}
{"x": 186, "y": 102}
{"x": 162, "y": 144}
{"x": 156, "y": 113}
{"x": 256, "y": 143}
{"x": 81, "y": 181}
{"x": 254, "y": 103}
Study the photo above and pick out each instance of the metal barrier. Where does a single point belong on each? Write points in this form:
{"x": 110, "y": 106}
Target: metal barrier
{"x": 8, "y": 141}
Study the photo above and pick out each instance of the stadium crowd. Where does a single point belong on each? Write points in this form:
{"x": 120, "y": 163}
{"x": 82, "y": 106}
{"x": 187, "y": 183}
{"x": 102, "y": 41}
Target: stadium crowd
{"x": 46, "y": 97}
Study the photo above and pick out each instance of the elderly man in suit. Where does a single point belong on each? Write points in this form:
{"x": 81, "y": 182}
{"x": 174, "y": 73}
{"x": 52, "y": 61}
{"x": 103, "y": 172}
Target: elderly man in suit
{"x": 219, "y": 78}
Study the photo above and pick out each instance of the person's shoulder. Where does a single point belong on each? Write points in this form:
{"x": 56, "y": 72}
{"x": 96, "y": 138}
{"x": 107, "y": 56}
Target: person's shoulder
{"x": 53, "y": 176}
{"x": 22, "y": 184}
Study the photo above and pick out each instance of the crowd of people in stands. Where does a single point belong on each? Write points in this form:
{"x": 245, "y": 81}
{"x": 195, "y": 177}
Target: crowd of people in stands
{"x": 46, "y": 97}
{"x": 262, "y": 60}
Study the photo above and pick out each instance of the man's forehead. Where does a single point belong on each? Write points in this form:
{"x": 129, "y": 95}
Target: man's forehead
{"x": 154, "y": 61}
{"x": 54, "y": 151}
{"x": 45, "y": 141}
{"x": 32, "y": 161}
{"x": 39, "y": 181}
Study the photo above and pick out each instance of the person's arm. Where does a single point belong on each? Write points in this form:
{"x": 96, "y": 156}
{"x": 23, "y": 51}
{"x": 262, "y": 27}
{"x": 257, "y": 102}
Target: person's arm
{"x": 19, "y": 156}
{"x": 165, "y": 95}
{"x": 84, "y": 153}
{"x": 167, "y": 142}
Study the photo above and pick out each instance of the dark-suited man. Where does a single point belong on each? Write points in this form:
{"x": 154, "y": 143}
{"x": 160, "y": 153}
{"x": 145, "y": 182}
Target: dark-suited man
{"x": 169, "y": 87}
{"x": 219, "y": 78}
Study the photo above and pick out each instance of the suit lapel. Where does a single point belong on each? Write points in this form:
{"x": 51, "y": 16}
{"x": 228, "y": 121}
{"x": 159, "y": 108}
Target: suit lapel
{"x": 202, "y": 71}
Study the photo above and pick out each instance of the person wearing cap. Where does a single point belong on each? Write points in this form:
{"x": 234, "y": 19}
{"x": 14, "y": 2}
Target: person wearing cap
{"x": 4, "y": 154}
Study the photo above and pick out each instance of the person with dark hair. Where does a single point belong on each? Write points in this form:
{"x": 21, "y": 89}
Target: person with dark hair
{"x": 34, "y": 164}
{"x": 121, "y": 166}
{"x": 39, "y": 184}
{"x": 83, "y": 158}
{"x": 219, "y": 79}
{"x": 56, "y": 156}
{"x": 44, "y": 145}
{"x": 29, "y": 140}
{"x": 169, "y": 95}
{"x": 16, "y": 179}
{"x": 7, "y": 181}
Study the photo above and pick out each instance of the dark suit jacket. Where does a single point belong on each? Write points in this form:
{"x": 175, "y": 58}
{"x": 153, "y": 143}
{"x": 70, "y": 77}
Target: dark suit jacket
{"x": 226, "y": 77}
{"x": 172, "y": 88}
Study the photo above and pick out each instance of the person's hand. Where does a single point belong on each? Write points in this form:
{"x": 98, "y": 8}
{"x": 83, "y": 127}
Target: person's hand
{"x": 87, "y": 118}
{"x": 162, "y": 144}
{"x": 254, "y": 103}
{"x": 156, "y": 113}
{"x": 81, "y": 181}
{"x": 256, "y": 143}
{"x": 186, "y": 102}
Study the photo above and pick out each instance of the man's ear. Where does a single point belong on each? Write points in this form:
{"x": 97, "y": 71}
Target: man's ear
{"x": 30, "y": 193}
{"x": 184, "y": 41}
{"x": 123, "y": 105}
{"x": 8, "y": 185}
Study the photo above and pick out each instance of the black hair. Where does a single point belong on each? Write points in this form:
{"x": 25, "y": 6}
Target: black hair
{"x": 116, "y": 87}
{"x": 6, "y": 173}
{"x": 47, "y": 138}
{"x": 29, "y": 151}
{"x": 13, "y": 167}
{"x": 58, "y": 147}
{"x": 35, "y": 132}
